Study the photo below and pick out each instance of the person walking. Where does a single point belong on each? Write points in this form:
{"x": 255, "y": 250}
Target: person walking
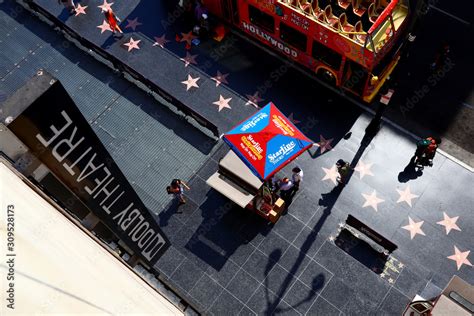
{"x": 113, "y": 21}
{"x": 297, "y": 177}
{"x": 425, "y": 151}
{"x": 69, "y": 5}
{"x": 343, "y": 168}
{"x": 177, "y": 188}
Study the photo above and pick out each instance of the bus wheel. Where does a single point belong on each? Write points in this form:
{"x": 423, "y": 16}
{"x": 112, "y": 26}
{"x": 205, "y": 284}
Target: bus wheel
{"x": 327, "y": 76}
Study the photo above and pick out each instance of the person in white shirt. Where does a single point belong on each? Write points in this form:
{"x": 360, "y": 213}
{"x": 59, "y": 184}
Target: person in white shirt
{"x": 286, "y": 187}
{"x": 297, "y": 177}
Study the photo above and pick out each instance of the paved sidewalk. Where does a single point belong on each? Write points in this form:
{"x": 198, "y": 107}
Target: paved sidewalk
{"x": 224, "y": 259}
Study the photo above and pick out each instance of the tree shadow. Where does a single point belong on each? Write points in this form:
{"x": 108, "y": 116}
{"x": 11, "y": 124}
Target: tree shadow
{"x": 328, "y": 201}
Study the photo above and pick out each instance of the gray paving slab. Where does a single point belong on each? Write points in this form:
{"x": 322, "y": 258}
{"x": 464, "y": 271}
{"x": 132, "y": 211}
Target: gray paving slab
{"x": 205, "y": 292}
{"x": 243, "y": 285}
{"x": 323, "y": 307}
{"x": 151, "y": 145}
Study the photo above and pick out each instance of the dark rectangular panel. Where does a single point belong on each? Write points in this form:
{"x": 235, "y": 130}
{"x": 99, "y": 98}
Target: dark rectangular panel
{"x": 46, "y": 119}
{"x": 369, "y": 232}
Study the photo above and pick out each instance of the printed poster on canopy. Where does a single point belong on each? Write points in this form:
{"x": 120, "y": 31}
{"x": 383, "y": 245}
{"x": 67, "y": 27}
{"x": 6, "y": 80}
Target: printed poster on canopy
{"x": 267, "y": 141}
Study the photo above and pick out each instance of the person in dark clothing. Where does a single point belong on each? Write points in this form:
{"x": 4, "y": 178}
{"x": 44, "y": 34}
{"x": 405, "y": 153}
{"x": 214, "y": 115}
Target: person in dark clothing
{"x": 343, "y": 168}
{"x": 425, "y": 151}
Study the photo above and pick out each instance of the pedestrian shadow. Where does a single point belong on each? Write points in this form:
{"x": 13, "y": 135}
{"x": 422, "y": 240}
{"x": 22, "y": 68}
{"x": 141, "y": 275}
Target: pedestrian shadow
{"x": 409, "y": 172}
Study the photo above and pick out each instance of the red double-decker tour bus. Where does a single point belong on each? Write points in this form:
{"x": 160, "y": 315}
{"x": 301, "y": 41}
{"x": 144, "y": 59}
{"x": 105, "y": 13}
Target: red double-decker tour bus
{"x": 352, "y": 44}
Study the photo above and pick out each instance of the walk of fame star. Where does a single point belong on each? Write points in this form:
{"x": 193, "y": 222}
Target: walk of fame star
{"x": 324, "y": 144}
{"x": 220, "y": 78}
{"x": 460, "y": 257}
{"x": 406, "y": 196}
{"x": 80, "y": 9}
{"x": 253, "y": 99}
{"x": 222, "y": 103}
{"x": 160, "y": 41}
{"x": 132, "y": 44}
{"x": 105, "y": 6}
{"x": 330, "y": 174}
{"x": 372, "y": 200}
{"x": 292, "y": 119}
{"x": 363, "y": 169}
{"x": 104, "y": 27}
{"x": 189, "y": 59}
{"x": 132, "y": 24}
{"x": 191, "y": 82}
{"x": 414, "y": 228}
{"x": 449, "y": 223}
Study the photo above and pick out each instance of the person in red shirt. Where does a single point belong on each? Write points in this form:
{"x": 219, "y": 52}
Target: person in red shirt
{"x": 113, "y": 21}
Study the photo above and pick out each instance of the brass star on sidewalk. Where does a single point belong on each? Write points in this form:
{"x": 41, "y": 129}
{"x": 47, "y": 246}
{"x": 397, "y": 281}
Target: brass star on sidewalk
{"x": 363, "y": 169}
{"x": 222, "y": 103}
{"x": 414, "y": 228}
{"x": 330, "y": 174}
{"x": 80, "y": 9}
{"x": 104, "y": 27}
{"x": 449, "y": 223}
{"x": 189, "y": 59}
{"x": 372, "y": 200}
{"x": 160, "y": 41}
{"x": 105, "y": 6}
{"x": 460, "y": 257}
{"x": 191, "y": 82}
{"x": 253, "y": 99}
{"x": 132, "y": 24}
{"x": 292, "y": 119}
{"x": 132, "y": 44}
{"x": 220, "y": 78}
{"x": 406, "y": 196}
{"x": 324, "y": 144}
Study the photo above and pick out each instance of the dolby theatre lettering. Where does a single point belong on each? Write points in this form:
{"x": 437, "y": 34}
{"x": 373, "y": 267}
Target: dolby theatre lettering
{"x": 57, "y": 133}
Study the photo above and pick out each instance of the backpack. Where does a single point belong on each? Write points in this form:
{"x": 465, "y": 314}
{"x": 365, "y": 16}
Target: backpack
{"x": 423, "y": 143}
{"x": 431, "y": 148}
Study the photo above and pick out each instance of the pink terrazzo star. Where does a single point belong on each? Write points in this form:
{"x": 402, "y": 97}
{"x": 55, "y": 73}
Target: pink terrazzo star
{"x": 414, "y": 228}
{"x": 132, "y": 44}
{"x": 220, "y": 78}
{"x": 449, "y": 223}
{"x": 105, "y": 6}
{"x": 80, "y": 9}
{"x": 104, "y": 27}
{"x": 460, "y": 257}
{"x": 160, "y": 41}
{"x": 189, "y": 59}
{"x": 253, "y": 99}
{"x": 222, "y": 103}
{"x": 324, "y": 144}
{"x": 132, "y": 24}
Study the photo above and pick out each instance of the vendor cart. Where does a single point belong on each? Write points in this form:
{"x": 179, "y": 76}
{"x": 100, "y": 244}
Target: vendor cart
{"x": 261, "y": 145}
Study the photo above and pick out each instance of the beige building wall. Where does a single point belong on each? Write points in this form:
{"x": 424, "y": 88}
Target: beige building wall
{"x": 58, "y": 268}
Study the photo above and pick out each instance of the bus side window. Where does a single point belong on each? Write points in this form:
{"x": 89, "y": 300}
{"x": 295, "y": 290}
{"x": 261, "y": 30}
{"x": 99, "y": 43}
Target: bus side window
{"x": 293, "y": 37}
{"x": 326, "y": 55}
{"x": 259, "y": 18}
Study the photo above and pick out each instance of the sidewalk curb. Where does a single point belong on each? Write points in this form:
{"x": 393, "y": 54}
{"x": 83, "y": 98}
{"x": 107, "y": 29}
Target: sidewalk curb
{"x": 405, "y": 131}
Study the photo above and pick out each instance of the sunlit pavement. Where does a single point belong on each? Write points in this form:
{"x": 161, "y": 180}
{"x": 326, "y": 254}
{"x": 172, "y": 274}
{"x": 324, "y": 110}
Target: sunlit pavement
{"x": 226, "y": 259}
